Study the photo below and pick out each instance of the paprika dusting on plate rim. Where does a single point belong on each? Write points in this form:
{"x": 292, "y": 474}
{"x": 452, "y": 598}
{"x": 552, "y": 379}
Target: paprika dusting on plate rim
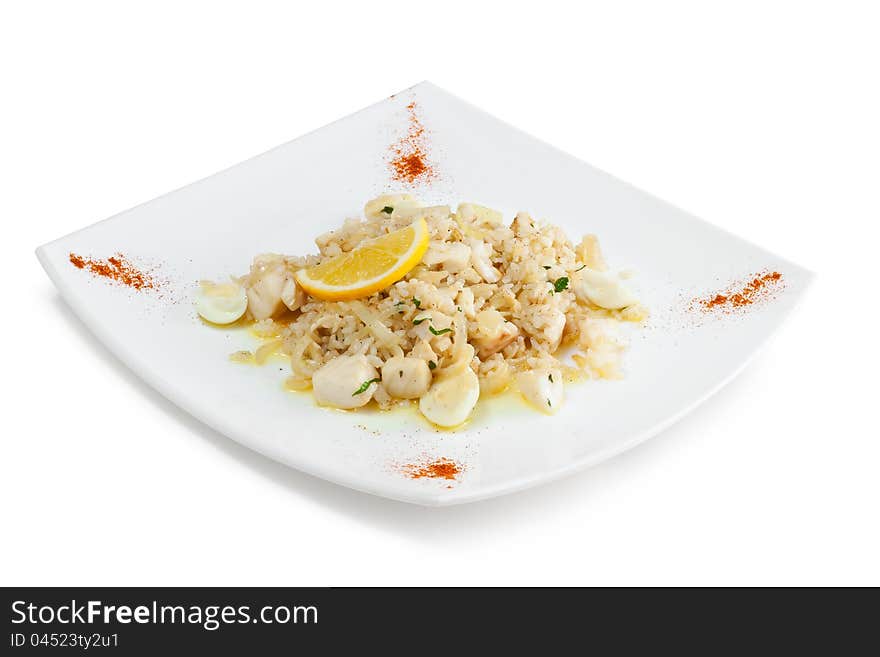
{"x": 117, "y": 268}
{"x": 761, "y": 286}
{"x": 409, "y": 162}
{"x": 441, "y": 468}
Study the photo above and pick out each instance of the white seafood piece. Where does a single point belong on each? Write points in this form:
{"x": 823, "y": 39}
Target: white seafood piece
{"x": 451, "y": 398}
{"x": 453, "y": 256}
{"x": 422, "y": 350}
{"x": 406, "y": 378}
{"x": 292, "y": 295}
{"x": 542, "y": 388}
{"x": 493, "y": 332}
{"x": 554, "y": 327}
{"x": 481, "y": 260}
{"x": 423, "y": 322}
{"x": 465, "y": 301}
{"x": 376, "y": 208}
{"x": 590, "y": 253}
{"x": 603, "y": 289}
{"x": 430, "y": 213}
{"x": 221, "y": 303}
{"x": 337, "y": 383}
{"x": 479, "y": 215}
{"x": 522, "y": 224}
{"x": 265, "y": 285}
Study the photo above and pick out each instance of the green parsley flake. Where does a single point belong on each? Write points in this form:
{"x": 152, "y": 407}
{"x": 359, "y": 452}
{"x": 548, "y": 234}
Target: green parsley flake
{"x": 387, "y": 209}
{"x": 432, "y": 365}
{"x": 417, "y": 303}
{"x": 560, "y": 284}
{"x": 440, "y": 332}
{"x": 420, "y": 320}
{"x": 364, "y": 386}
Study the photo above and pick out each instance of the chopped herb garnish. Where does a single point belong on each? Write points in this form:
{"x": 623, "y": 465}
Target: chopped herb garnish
{"x": 581, "y": 267}
{"x": 440, "y": 332}
{"x": 459, "y": 308}
{"x": 400, "y": 373}
{"x": 560, "y": 284}
{"x": 420, "y": 320}
{"x": 387, "y": 209}
{"x": 550, "y": 376}
{"x": 549, "y": 404}
{"x": 417, "y": 303}
{"x": 432, "y": 365}
{"x": 364, "y": 386}
{"x": 400, "y": 303}
{"x": 547, "y": 266}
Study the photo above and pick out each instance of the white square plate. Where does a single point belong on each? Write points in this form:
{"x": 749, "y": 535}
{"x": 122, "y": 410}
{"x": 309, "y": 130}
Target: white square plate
{"x": 281, "y": 200}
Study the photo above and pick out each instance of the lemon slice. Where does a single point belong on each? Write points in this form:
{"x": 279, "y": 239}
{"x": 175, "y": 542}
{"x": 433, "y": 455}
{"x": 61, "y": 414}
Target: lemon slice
{"x": 372, "y": 266}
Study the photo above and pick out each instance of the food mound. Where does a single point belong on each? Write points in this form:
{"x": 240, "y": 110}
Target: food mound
{"x": 439, "y": 307}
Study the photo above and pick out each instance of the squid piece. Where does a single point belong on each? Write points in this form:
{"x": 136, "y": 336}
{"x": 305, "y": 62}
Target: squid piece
{"x": 345, "y": 382}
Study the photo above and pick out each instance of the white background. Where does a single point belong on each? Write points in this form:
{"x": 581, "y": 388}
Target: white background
{"x": 761, "y": 117}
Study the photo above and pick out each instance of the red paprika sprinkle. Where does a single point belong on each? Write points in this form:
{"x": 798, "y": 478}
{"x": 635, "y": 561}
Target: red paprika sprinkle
{"x": 116, "y": 268}
{"x": 442, "y": 468}
{"x": 409, "y": 162}
{"x": 761, "y": 286}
